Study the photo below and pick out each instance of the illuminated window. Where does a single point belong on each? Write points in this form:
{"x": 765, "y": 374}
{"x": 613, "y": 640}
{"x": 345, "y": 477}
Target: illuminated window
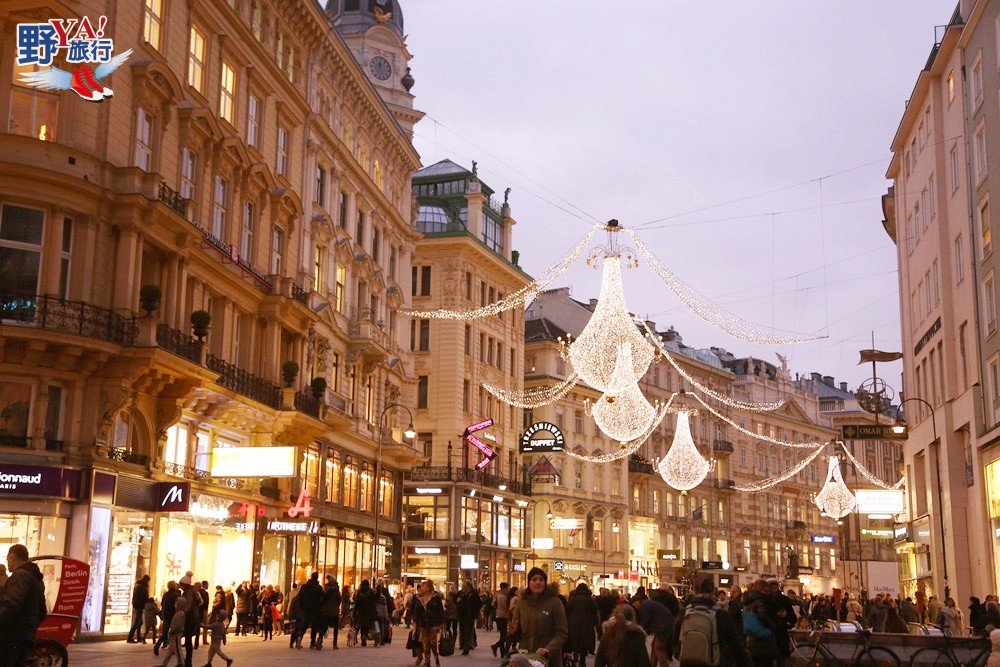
{"x": 319, "y": 259}
{"x": 227, "y": 93}
{"x": 188, "y": 160}
{"x": 143, "y": 148}
{"x": 341, "y": 288}
{"x": 33, "y": 112}
{"x": 386, "y": 492}
{"x": 377, "y": 174}
{"x": 196, "y": 60}
{"x": 277, "y": 246}
{"x": 985, "y": 229}
{"x": 246, "y": 235}
{"x": 282, "y": 151}
{"x": 257, "y": 21}
{"x": 367, "y": 486}
{"x": 309, "y": 471}
{"x": 350, "y": 482}
{"x": 219, "y": 208}
{"x": 151, "y": 22}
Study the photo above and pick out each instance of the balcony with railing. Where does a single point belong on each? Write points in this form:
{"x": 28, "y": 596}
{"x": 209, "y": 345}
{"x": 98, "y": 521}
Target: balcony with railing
{"x": 244, "y": 382}
{"x": 368, "y": 336}
{"x": 724, "y": 484}
{"x": 173, "y": 200}
{"x": 179, "y": 343}
{"x": 74, "y": 317}
{"x": 306, "y": 403}
{"x": 722, "y": 447}
{"x": 299, "y": 294}
{"x": 637, "y": 464}
{"x": 469, "y": 476}
{"x": 246, "y": 484}
{"x": 795, "y": 525}
{"x": 127, "y": 456}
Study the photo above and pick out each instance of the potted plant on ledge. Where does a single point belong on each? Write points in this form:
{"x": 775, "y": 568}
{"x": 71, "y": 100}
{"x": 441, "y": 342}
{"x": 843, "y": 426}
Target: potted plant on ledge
{"x": 201, "y": 321}
{"x": 318, "y": 387}
{"x": 149, "y": 298}
{"x": 289, "y": 371}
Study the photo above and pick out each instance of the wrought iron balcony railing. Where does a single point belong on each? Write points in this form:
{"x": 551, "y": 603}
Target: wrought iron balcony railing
{"x": 307, "y": 403}
{"x": 178, "y": 343}
{"x": 234, "y": 378}
{"x": 640, "y": 465}
{"x": 77, "y": 317}
{"x": 449, "y": 474}
{"x": 127, "y": 456}
{"x": 197, "y": 474}
{"x": 173, "y": 199}
{"x": 300, "y": 295}
{"x": 723, "y": 446}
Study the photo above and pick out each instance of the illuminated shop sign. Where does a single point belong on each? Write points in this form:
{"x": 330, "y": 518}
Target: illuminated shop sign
{"x": 173, "y": 497}
{"x": 23, "y": 480}
{"x": 253, "y": 462}
{"x": 284, "y": 526}
{"x": 880, "y": 501}
{"x": 542, "y": 543}
{"x": 822, "y": 539}
{"x": 542, "y": 437}
{"x": 425, "y": 551}
{"x": 877, "y": 533}
{"x": 566, "y": 524}
{"x": 469, "y": 562}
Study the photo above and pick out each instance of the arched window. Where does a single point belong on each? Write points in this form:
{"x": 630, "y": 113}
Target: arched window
{"x": 432, "y": 219}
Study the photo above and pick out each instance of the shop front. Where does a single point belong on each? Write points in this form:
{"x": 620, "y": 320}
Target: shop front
{"x": 444, "y": 563}
{"x": 35, "y": 506}
{"x": 913, "y": 559}
{"x": 992, "y": 476}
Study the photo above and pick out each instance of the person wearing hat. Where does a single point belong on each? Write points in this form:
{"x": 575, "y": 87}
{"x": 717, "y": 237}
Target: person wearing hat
{"x": 541, "y": 619}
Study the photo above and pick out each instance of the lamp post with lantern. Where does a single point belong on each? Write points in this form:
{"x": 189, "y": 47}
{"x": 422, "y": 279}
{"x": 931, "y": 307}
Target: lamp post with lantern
{"x": 409, "y": 434}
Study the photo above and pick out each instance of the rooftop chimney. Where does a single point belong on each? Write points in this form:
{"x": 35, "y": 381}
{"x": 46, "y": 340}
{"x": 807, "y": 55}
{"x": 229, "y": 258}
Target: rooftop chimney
{"x": 593, "y": 303}
{"x": 828, "y": 380}
{"x": 843, "y": 386}
{"x": 652, "y": 325}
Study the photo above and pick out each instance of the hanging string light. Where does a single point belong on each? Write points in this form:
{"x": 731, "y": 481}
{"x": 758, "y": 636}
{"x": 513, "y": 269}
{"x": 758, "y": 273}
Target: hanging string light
{"x": 765, "y": 484}
{"x": 683, "y": 467}
{"x": 714, "y": 395}
{"x": 867, "y": 474}
{"x": 594, "y": 354}
{"x": 534, "y": 398}
{"x": 709, "y": 311}
{"x": 515, "y": 299}
{"x": 758, "y": 436}
{"x": 628, "y": 448}
{"x": 835, "y": 499}
{"x": 622, "y": 413}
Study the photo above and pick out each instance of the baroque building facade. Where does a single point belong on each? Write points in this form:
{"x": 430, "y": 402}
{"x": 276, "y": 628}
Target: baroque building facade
{"x": 209, "y": 261}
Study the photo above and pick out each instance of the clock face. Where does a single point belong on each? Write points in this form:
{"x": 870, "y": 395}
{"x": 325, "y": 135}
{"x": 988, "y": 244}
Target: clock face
{"x": 380, "y": 68}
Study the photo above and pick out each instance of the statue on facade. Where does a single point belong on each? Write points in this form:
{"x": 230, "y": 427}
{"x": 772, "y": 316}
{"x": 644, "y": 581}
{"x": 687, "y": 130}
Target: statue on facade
{"x": 506, "y": 197}
{"x": 783, "y": 372}
{"x": 475, "y": 168}
{"x": 793, "y": 563}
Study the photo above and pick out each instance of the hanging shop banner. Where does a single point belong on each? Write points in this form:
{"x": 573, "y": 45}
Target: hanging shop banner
{"x": 24, "y": 480}
{"x": 877, "y": 533}
{"x": 472, "y": 428}
{"x": 70, "y": 579}
{"x": 485, "y": 450}
{"x": 880, "y": 501}
{"x": 173, "y": 496}
{"x": 566, "y": 524}
{"x": 668, "y": 554}
{"x": 253, "y": 462}
{"x": 542, "y": 437}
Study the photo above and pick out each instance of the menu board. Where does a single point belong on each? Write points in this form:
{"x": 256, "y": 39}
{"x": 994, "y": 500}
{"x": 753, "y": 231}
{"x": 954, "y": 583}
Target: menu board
{"x": 119, "y": 593}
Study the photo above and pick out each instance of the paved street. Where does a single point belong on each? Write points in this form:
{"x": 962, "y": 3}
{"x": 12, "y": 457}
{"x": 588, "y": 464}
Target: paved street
{"x": 251, "y": 651}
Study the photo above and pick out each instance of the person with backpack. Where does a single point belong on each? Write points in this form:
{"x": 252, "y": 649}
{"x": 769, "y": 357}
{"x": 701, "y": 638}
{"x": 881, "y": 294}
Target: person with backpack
{"x": 757, "y": 627}
{"x": 782, "y": 616}
{"x": 706, "y": 634}
{"x": 658, "y": 622}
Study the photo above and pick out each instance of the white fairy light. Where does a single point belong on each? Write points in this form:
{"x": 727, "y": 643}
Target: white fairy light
{"x": 835, "y": 499}
{"x": 627, "y": 448}
{"x": 515, "y": 299}
{"x": 765, "y": 484}
{"x": 534, "y": 398}
{"x": 709, "y": 311}
{"x": 867, "y": 474}
{"x": 714, "y": 395}
{"x": 758, "y": 436}
{"x": 683, "y": 467}
{"x": 623, "y": 413}
{"x": 594, "y": 354}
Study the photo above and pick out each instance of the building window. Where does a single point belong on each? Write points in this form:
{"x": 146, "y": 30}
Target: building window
{"x": 466, "y": 396}
{"x": 319, "y": 259}
{"x": 152, "y": 20}
{"x": 253, "y": 121}
{"x": 277, "y": 246}
{"x": 989, "y": 305}
{"x": 985, "y": 229}
{"x": 343, "y": 210}
{"x": 246, "y": 235}
{"x": 332, "y": 479}
{"x": 219, "y": 209}
{"x": 492, "y": 234}
{"x": 66, "y": 252}
{"x": 320, "y": 185}
{"x": 282, "y": 151}
{"x": 376, "y": 243}
{"x": 340, "y": 293}
{"x": 424, "y": 342}
{"x": 33, "y": 112}
{"x": 143, "y": 140}
{"x": 578, "y": 421}
{"x": 951, "y": 87}
{"x": 21, "y": 248}
{"x": 977, "y": 81}
{"x": 956, "y": 171}
{"x": 959, "y": 260}
{"x": 227, "y": 93}
{"x": 350, "y": 482}
{"x": 188, "y": 159}
{"x": 196, "y": 60}
{"x": 257, "y": 20}
{"x": 422, "y": 392}
{"x": 425, "y": 281}
{"x": 979, "y": 152}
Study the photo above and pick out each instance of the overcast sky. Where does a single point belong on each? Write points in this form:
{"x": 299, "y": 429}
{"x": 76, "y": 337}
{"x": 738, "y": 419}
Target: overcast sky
{"x": 664, "y": 111}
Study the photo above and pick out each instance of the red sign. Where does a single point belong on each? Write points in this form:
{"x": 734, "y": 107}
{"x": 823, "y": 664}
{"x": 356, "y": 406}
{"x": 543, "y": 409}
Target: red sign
{"x": 60, "y": 624}
{"x": 486, "y": 423}
{"x": 486, "y": 450}
{"x": 485, "y": 462}
{"x": 302, "y": 505}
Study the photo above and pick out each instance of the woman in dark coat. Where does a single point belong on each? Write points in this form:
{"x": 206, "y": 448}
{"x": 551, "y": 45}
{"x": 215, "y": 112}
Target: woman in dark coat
{"x": 364, "y": 610}
{"x": 623, "y": 643}
{"x": 584, "y": 623}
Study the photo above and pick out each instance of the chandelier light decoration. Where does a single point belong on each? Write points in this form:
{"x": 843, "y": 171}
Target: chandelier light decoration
{"x": 709, "y": 311}
{"x": 628, "y": 448}
{"x": 515, "y": 299}
{"x": 530, "y": 399}
{"x": 714, "y": 395}
{"x": 596, "y": 352}
{"x": 867, "y": 474}
{"x": 622, "y": 412}
{"x": 683, "y": 467}
{"x": 835, "y": 499}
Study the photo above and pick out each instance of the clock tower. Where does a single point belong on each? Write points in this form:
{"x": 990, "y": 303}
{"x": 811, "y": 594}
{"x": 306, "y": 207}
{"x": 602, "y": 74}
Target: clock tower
{"x": 373, "y": 30}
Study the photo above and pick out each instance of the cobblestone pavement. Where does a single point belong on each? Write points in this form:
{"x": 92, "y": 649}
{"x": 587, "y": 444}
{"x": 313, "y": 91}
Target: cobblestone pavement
{"x": 252, "y": 652}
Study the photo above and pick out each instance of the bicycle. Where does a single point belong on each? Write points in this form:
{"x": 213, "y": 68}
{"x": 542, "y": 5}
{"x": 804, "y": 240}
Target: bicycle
{"x": 863, "y": 655}
{"x": 945, "y": 656}
{"x": 47, "y": 653}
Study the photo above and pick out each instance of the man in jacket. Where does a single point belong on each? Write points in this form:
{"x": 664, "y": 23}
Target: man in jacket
{"x": 780, "y": 611}
{"x": 22, "y": 607}
{"x": 311, "y": 602}
{"x": 243, "y": 604}
{"x": 657, "y": 621}
{"x": 502, "y": 613}
{"x": 167, "y": 609}
{"x": 731, "y": 647}
{"x": 468, "y": 603}
{"x": 140, "y": 594}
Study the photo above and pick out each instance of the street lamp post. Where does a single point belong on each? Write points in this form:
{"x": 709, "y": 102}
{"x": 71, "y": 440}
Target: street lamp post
{"x": 409, "y": 433}
{"x": 900, "y": 427}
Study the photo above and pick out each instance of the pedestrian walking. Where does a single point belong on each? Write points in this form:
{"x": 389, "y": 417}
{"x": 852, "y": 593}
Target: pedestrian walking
{"x": 166, "y": 614}
{"x": 427, "y": 614}
{"x": 267, "y": 613}
{"x": 311, "y": 602}
{"x": 140, "y": 593}
{"x": 243, "y": 605}
{"x": 218, "y": 626}
{"x": 706, "y": 634}
{"x": 541, "y": 619}
{"x": 502, "y": 613}
{"x": 468, "y": 604}
{"x": 584, "y": 624}
{"x": 623, "y": 641}
{"x": 451, "y": 609}
{"x": 150, "y": 614}
{"x": 330, "y": 612}
{"x": 175, "y": 632}
{"x": 22, "y": 606}
{"x": 364, "y": 610}
{"x": 952, "y": 619}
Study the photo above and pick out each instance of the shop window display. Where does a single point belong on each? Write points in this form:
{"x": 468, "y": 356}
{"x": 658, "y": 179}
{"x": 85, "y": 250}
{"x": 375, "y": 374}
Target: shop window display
{"x": 131, "y": 547}
{"x": 43, "y": 535}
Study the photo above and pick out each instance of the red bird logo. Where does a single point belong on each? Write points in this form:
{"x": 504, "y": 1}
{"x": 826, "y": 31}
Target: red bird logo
{"x": 83, "y": 80}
